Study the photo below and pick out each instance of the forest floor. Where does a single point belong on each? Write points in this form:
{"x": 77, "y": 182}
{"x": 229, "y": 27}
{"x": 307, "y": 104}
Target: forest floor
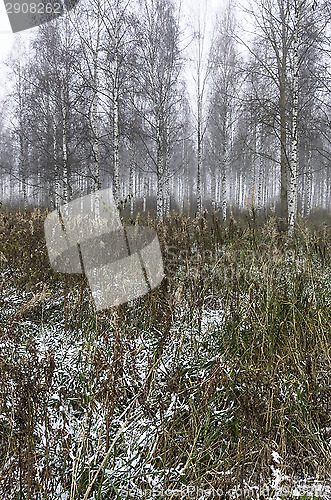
{"x": 214, "y": 385}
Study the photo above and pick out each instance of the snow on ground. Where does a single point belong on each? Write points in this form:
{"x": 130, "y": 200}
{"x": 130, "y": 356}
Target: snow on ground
{"x": 72, "y": 354}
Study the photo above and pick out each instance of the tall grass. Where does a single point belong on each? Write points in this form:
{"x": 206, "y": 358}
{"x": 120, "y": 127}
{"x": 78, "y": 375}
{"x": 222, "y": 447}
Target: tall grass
{"x": 219, "y": 378}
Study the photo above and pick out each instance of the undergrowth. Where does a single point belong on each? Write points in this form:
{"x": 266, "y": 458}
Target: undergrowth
{"x": 218, "y": 380}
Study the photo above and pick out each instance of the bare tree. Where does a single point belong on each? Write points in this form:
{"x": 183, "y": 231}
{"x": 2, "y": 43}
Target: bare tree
{"x": 224, "y": 76}
{"x": 157, "y": 31}
{"x": 200, "y": 74}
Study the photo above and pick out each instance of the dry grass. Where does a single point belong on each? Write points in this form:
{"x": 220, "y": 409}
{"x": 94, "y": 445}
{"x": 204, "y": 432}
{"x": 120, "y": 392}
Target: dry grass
{"x": 222, "y": 366}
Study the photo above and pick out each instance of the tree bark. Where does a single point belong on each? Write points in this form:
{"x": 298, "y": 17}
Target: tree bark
{"x": 293, "y": 178}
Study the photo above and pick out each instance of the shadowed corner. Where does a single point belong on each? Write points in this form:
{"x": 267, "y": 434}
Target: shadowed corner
{"x": 25, "y": 15}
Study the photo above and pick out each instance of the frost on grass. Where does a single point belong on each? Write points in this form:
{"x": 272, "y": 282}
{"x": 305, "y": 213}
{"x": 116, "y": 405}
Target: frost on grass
{"x": 193, "y": 395}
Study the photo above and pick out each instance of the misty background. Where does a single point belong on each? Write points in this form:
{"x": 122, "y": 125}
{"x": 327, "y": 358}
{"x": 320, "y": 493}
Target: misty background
{"x": 176, "y": 106}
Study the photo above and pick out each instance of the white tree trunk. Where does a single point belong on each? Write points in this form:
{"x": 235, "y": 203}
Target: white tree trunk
{"x": 167, "y": 174}
{"x": 261, "y": 171}
{"x": 223, "y": 169}
{"x": 116, "y": 181}
{"x": 131, "y": 179}
{"x": 160, "y": 172}
{"x": 199, "y": 147}
{"x": 254, "y": 165}
{"x": 293, "y": 177}
{"x": 116, "y": 84}
{"x": 67, "y": 187}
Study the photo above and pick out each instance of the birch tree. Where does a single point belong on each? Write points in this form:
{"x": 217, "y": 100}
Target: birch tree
{"x": 272, "y": 19}
{"x": 157, "y": 31}
{"x": 200, "y": 75}
{"x": 224, "y": 77}
{"x": 117, "y": 72}
{"x": 308, "y": 26}
{"x": 88, "y": 67}
{"x": 293, "y": 179}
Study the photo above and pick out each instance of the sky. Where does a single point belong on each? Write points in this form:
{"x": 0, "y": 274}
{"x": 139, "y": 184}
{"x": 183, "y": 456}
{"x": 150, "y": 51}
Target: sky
{"x": 7, "y": 38}
{"x": 6, "y": 41}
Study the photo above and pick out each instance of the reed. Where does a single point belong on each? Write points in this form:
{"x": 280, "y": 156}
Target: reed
{"x": 218, "y": 379}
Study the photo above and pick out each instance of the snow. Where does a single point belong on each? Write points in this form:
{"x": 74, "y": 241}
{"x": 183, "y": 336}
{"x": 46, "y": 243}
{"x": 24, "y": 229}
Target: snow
{"x": 75, "y": 377}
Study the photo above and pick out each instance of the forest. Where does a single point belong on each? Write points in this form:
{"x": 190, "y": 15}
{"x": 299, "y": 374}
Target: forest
{"x": 172, "y": 110}
{"x": 210, "y": 124}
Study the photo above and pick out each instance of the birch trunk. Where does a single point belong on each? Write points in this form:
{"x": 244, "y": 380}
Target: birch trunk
{"x": 116, "y": 183}
{"x": 223, "y": 169}
{"x": 167, "y": 174}
{"x": 67, "y": 189}
{"x": 95, "y": 126}
{"x": 145, "y": 195}
{"x": 261, "y": 171}
{"x": 253, "y": 176}
{"x": 22, "y": 140}
{"x": 213, "y": 190}
{"x": 293, "y": 178}
{"x": 199, "y": 147}
{"x": 131, "y": 179}
{"x": 283, "y": 121}
{"x": 160, "y": 171}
